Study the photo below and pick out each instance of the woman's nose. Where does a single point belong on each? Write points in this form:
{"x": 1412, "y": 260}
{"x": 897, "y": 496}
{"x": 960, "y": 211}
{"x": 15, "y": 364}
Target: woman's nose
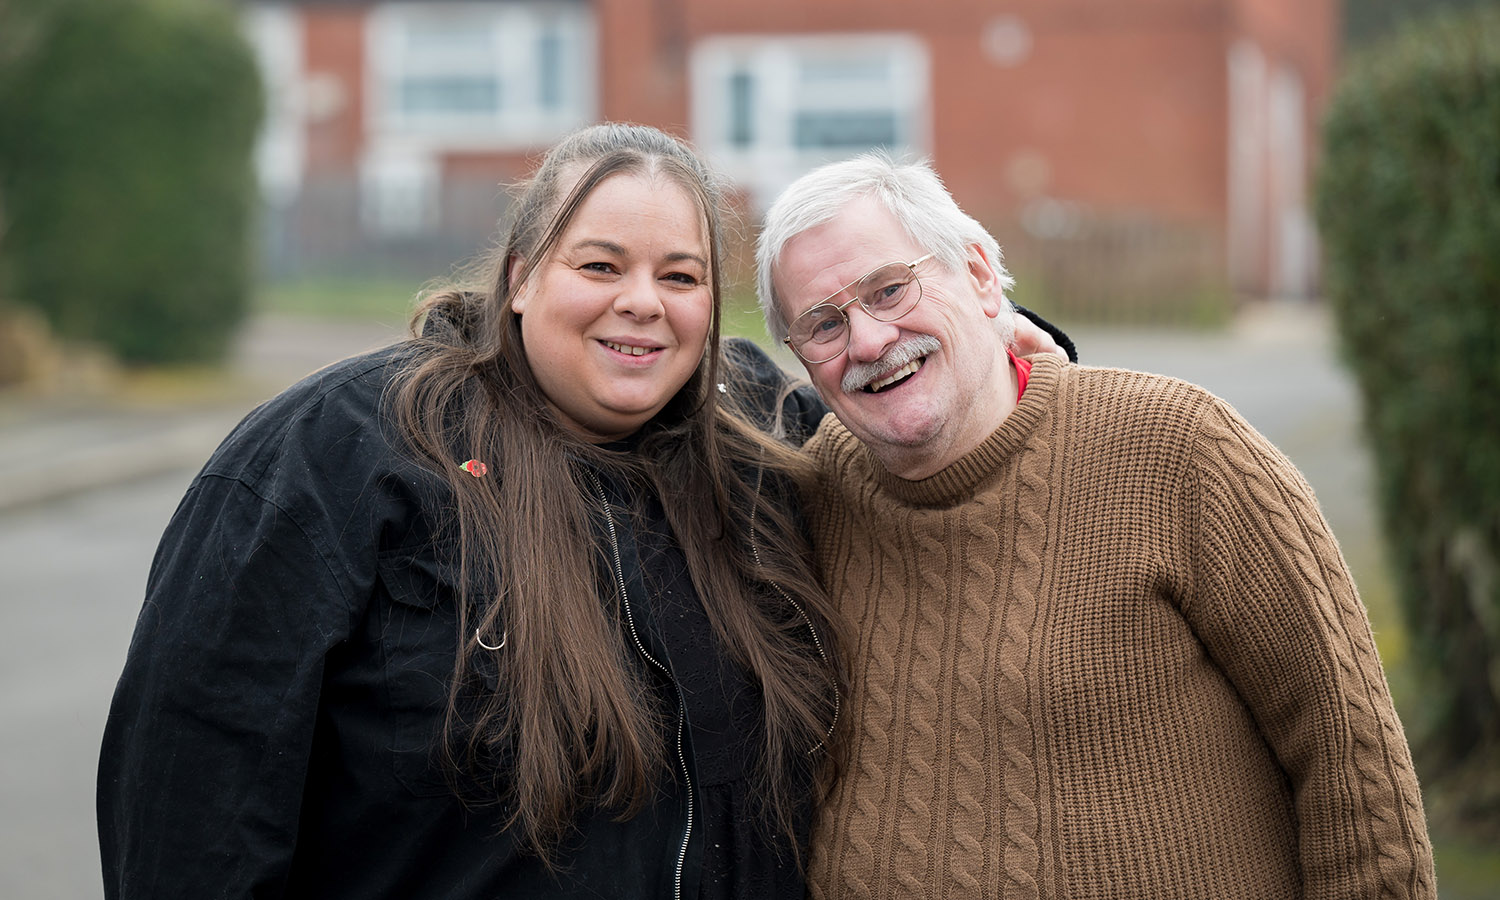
{"x": 639, "y": 299}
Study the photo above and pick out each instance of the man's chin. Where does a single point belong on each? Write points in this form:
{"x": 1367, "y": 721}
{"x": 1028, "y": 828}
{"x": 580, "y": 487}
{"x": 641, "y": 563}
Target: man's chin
{"x": 890, "y": 435}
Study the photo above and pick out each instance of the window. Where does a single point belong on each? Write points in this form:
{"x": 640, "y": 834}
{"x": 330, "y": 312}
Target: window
{"x": 769, "y": 109}
{"x": 479, "y": 76}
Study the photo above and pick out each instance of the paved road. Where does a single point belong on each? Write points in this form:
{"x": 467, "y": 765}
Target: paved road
{"x": 72, "y": 571}
{"x": 71, "y": 577}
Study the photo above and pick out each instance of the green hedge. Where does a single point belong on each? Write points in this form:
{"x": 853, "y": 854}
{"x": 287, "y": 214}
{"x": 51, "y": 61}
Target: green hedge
{"x": 1408, "y": 200}
{"x": 126, "y": 180}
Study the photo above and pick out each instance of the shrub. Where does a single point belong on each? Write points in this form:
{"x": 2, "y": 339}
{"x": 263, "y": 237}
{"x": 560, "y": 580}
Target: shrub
{"x": 126, "y": 131}
{"x": 1408, "y": 200}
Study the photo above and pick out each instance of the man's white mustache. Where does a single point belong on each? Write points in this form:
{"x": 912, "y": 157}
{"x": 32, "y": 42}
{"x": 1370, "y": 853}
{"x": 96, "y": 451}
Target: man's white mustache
{"x": 860, "y": 374}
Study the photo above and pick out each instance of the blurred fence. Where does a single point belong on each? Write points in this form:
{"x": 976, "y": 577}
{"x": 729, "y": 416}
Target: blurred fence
{"x": 1071, "y": 264}
{"x": 332, "y": 226}
{"x": 1077, "y": 266}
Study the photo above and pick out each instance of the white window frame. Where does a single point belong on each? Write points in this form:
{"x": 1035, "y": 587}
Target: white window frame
{"x": 275, "y": 34}
{"x": 776, "y": 66}
{"x": 510, "y": 35}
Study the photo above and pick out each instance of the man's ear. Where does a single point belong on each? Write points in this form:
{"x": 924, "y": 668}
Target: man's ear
{"x": 987, "y": 287}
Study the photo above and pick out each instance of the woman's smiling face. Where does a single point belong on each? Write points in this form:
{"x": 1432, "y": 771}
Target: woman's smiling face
{"x": 616, "y": 318}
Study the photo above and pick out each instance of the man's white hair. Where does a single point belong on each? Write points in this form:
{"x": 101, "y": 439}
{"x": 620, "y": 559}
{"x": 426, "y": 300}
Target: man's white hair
{"x": 911, "y": 192}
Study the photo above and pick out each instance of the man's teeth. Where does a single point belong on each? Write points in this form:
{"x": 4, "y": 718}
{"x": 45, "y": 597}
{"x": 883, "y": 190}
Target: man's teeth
{"x": 626, "y": 348}
{"x": 882, "y": 383}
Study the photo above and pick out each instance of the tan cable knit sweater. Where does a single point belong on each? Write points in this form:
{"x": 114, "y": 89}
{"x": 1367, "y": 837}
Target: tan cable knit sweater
{"x": 1113, "y": 652}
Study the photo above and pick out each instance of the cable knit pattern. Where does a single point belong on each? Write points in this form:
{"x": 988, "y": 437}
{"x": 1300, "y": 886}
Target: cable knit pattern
{"x": 1111, "y": 652}
{"x": 921, "y": 750}
{"x": 1020, "y": 616}
{"x": 971, "y": 824}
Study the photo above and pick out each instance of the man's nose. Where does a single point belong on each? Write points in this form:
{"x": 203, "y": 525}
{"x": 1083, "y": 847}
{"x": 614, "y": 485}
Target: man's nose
{"x": 869, "y": 338}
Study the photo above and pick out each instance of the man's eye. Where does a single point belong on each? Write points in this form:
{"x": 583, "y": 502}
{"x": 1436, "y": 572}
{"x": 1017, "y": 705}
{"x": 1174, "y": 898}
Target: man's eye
{"x": 885, "y": 296}
{"x": 828, "y": 327}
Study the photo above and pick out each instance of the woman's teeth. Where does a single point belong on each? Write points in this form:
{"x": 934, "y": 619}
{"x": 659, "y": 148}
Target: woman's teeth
{"x": 626, "y": 348}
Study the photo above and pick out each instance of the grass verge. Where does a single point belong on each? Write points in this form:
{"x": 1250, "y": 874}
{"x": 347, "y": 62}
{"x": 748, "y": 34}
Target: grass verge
{"x": 384, "y": 299}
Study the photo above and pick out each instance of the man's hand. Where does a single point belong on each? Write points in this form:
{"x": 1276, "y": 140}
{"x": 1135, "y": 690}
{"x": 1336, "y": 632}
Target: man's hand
{"x": 1031, "y": 339}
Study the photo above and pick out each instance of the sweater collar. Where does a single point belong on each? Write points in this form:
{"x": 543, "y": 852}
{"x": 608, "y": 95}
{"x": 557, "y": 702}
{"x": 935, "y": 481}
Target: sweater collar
{"x": 960, "y": 480}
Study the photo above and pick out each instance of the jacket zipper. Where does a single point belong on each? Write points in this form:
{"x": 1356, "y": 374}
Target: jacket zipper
{"x": 614, "y": 544}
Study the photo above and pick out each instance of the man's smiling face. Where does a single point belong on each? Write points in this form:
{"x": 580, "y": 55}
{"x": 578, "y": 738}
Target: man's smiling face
{"x": 927, "y": 388}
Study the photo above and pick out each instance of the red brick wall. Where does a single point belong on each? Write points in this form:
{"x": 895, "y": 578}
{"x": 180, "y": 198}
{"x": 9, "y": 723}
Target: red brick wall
{"x": 334, "y": 64}
{"x": 1120, "y": 105}
{"x": 643, "y": 51}
{"x": 1120, "y": 120}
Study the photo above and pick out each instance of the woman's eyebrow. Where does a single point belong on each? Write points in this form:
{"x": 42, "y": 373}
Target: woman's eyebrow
{"x": 612, "y": 247}
{"x": 688, "y": 257}
{"x": 608, "y": 246}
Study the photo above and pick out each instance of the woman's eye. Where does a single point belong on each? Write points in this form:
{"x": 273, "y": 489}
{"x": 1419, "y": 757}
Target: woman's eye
{"x": 683, "y": 278}
{"x": 600, "y": 267}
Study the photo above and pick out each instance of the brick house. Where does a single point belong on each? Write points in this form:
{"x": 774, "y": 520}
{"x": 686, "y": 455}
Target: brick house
{"x": 1065, "y": 124}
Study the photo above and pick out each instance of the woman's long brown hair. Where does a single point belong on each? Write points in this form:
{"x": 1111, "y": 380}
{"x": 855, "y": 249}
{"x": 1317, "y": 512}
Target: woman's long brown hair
{"x": 561, "y": 717}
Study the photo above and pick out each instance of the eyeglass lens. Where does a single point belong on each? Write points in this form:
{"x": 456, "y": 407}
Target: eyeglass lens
{"x": 887, "y": 294}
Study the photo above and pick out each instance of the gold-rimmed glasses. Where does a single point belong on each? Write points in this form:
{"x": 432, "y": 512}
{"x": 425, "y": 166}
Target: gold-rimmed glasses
{"x": 887, "y": 293}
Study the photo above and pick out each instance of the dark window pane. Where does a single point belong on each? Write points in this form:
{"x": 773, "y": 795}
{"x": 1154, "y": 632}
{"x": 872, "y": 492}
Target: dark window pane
{"x": 741, "y": 109}
{"x": 845, "y": 130}
{"x": 549, "y": 54}
{"x": 450, "y": 94}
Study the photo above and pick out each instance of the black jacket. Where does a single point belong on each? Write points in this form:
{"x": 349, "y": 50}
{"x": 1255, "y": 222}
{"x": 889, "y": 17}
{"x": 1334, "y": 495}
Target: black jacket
{"x": 272, "y": 732}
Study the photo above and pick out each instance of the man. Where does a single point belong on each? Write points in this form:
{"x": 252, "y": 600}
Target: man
{"x": 1104, "y": 644}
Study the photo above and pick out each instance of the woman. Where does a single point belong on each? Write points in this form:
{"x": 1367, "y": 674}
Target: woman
{"x": 504, "y": 610}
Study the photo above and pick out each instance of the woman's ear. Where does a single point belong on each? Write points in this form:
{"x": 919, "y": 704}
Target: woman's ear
{"x": 513, "y": 271}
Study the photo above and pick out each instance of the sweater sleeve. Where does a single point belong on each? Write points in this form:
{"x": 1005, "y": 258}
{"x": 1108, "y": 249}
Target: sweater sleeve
{"x": 206, "y": 749}
{"x": 1275, "y": 606}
